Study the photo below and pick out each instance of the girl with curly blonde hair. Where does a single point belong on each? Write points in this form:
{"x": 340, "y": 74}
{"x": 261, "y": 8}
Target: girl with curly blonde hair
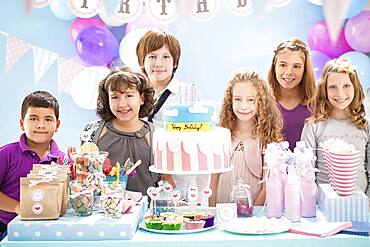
{"x": 338, "y": 112}
{"x": 292, "y": 80}
{"x": 125, "y": 96}
{"x": 250, "y": 111}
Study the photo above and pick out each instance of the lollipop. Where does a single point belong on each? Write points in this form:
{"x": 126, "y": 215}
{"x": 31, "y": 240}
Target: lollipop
{"x": 89, "y": 147}
{"x": 206, "y": 194}
{"x": 175, "y": 196}
{"x": 154, "y": 194}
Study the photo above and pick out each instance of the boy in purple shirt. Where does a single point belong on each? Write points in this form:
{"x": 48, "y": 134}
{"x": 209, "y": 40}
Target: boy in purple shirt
{"x": 39, "y": 121}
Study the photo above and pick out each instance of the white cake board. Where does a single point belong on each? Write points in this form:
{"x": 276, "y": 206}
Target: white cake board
{"x": 152, "y": 168}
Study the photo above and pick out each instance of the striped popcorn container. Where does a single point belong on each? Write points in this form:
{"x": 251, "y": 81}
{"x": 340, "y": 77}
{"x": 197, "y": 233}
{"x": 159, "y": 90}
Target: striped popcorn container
{"x": 342, "y": 168}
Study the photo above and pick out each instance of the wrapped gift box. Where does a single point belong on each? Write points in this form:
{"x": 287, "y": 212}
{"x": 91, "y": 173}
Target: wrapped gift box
{"x": 343, "y": 208}
{"x": 71, "y": 227}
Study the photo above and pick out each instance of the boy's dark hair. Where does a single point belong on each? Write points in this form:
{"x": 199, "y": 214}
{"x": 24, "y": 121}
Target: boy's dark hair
{"x": 121, "y": 77}
{"x": 40, "y": 99}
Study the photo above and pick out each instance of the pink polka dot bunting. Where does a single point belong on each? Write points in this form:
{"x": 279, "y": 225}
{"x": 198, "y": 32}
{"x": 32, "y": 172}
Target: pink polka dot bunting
{"x": 15, "y": 50}
{"x": 67, "y": 71}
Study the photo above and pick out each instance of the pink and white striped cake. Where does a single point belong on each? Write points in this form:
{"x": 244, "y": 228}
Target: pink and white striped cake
{"x": 191, "y": 152}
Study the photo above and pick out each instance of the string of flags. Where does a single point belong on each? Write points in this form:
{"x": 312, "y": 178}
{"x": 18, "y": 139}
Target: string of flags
{"x": 43, "y": 59}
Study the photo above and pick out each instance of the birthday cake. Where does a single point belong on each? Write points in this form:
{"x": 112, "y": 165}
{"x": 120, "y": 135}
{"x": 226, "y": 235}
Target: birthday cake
{"x": 191, "y": 143}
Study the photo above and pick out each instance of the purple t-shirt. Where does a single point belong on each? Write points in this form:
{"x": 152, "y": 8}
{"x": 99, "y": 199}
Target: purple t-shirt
{"x": 293, "y": 123}
{"x": 16, "y": 160}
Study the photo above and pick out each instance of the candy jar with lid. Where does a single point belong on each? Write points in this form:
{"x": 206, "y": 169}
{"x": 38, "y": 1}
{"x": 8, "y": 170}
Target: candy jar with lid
{"x": 241, "y": 195}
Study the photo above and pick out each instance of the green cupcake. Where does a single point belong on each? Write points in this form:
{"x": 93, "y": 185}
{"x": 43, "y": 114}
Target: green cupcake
{"x": 154, "y": 223}
{"x": 171, "y": 225}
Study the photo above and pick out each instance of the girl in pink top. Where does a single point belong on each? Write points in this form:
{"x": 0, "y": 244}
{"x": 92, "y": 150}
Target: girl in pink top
{"x": 249, "y": 110}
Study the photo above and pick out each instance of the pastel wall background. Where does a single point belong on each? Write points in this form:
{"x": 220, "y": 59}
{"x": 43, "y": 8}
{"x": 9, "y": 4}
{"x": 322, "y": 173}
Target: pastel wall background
{"x": 211, "y": 51}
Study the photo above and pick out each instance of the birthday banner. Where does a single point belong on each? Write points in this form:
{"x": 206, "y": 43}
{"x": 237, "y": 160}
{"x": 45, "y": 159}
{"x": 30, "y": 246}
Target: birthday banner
{"x": 118, "y": 12}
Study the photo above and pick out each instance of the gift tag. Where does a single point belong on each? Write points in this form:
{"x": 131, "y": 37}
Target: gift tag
{"x": 226, "y": 212}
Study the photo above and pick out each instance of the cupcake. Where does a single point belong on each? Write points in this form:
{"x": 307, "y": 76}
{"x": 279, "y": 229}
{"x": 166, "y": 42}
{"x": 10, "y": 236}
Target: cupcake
{"x": 167, "y": 215}
{"x": 171, "y": 225}
{"x": 189, "y": 215}
{"x": 154, "y": 223}
{"x": 209, "y": 218}
{"x": 194, "y": 224}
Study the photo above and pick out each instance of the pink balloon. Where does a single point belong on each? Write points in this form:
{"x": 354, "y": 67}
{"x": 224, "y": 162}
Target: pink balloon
{"x": 80, "y": 23}
{"x": 319, "y": 40}
{"x": 357, "y": 32}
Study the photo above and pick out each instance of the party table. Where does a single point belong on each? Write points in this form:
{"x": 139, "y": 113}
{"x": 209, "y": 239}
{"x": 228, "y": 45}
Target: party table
{"x": 213, "y": 238}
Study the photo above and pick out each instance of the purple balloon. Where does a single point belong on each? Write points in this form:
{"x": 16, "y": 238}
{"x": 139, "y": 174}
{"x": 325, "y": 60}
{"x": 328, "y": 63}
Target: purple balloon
{"x": 357, "y": 32}
{"x": 319, "y": 40}
{"x": 96, "y": 45}
{"x": 318, "y": 60}
{"x": 80, "y": 24}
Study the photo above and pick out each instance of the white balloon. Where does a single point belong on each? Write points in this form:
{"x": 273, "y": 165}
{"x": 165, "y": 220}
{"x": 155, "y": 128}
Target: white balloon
{"x": 281, "y": 3}
{"x": 127, "y": 47}
{"x": 84, "y": 88}
{"x": 316, "y": 2}
{"x": 39, "y": 3}
{"x": 59, "y": 9}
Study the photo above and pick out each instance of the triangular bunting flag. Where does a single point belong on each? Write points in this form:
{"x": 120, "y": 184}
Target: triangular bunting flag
{"x": 43, "y": 59}
{"x": 67, "y": 71}
{"x": 15, "y": 50}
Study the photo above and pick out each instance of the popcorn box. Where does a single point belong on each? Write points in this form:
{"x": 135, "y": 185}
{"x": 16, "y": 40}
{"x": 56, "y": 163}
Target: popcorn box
{"x": 340, "y": 208}
{"x": 71, "y": 227}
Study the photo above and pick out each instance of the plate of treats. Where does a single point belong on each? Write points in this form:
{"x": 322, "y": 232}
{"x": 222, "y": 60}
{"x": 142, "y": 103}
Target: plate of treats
{"x": 258, "y": 225}
{"x": 173, "y": 223}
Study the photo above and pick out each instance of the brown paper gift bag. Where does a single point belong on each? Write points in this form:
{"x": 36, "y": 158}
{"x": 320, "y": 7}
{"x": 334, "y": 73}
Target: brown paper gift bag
{"x": 40, "y": 199}
{"x": 61, "y": 172}
{"x": 60, "y": 177}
